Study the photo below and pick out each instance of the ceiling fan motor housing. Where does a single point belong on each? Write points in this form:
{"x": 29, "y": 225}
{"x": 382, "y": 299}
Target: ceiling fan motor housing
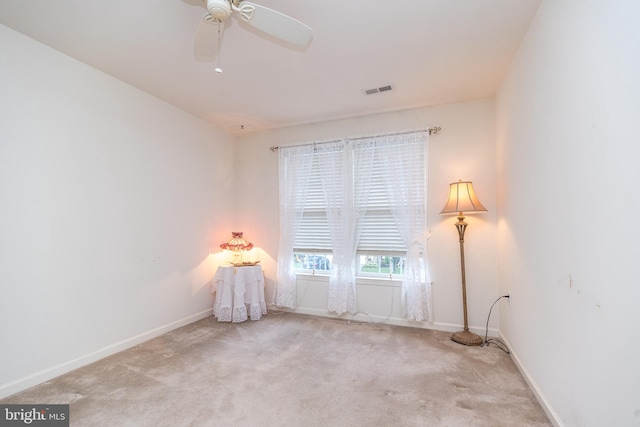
{"x": 219, "y": 9}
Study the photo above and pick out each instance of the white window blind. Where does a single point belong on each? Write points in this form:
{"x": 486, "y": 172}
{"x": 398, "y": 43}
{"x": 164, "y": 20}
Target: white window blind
{"x": 313, "y": 234}
{"x": 379, "y": 233}
{"x": 379, "y": 230}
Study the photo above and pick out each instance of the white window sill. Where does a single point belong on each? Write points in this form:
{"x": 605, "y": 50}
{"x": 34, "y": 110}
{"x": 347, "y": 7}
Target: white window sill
{"x": 369, "y": 281}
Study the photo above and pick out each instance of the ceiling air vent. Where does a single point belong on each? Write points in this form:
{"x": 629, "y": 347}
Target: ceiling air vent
{"x": 380, "y": 89}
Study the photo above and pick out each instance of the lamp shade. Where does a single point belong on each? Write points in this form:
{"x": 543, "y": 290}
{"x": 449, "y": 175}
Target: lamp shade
{"x": 237, "y": 243}
{"x": 462, "y": 198}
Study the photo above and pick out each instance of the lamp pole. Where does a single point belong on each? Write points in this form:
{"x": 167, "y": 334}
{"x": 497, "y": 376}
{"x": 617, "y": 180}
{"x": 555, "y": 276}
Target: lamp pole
{"x": 462, "y": 198}
{"x": 465, "y": 336}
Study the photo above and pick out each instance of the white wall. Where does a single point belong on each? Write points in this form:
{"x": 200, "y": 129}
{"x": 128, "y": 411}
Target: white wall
{"x": 465, "y": 149}
{"x": 110, "y": 201}
{"x": 568, "y": 194}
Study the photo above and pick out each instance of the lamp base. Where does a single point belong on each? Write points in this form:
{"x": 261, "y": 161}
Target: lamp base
{"x": 467, "y": 338}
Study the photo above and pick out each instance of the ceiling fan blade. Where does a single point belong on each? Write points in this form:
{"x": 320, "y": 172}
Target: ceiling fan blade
{"x": 207, "y": 42}
{"x": 275, "y": 23}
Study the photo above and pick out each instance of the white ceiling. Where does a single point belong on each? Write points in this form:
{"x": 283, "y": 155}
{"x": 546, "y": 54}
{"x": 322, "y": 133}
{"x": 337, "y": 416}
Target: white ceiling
{"x": 432, "y": 51}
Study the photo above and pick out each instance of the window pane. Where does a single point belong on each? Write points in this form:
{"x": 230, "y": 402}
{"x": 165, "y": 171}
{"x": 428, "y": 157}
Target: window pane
{"x": 381, "y": 265}
{"x": 312, "y": 261}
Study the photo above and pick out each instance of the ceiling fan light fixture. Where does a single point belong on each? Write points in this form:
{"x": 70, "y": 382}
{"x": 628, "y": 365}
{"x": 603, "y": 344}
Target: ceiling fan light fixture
{"x": 219, "y": 9}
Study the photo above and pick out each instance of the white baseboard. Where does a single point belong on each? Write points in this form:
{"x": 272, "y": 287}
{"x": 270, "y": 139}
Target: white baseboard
{"x": 48, "y": 374}
{"x": 548, "y": 409}
{"x": 397, "y": 321}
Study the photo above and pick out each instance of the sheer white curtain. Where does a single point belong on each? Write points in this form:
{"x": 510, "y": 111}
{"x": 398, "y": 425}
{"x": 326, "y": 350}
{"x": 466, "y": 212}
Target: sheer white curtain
{"x": 346, "y": 169}
{"x": 345, "y": 189}
{"x": 294, "y": 172}
{"x": 405, "y": 175}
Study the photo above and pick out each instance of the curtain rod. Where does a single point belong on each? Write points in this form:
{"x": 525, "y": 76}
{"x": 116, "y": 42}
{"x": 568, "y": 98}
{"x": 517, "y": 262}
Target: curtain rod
{"x": 432, "y": 130}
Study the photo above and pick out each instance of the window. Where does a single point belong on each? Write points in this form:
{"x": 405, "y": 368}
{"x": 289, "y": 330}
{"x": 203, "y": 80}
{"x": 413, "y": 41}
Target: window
{"x": 313, "y": 262}
{"x": 380, "y": 265}
{"x": 386, "y": 266}
{"x": 367, "y": 183}
{"x": 360, "y": 201}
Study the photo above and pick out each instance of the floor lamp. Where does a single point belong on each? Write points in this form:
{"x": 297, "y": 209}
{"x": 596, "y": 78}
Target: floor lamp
{"x": 462, "y": 198}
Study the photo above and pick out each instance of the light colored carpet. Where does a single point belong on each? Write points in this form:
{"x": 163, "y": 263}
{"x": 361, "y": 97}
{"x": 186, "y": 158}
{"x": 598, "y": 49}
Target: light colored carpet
{"x": 295, "y": 370}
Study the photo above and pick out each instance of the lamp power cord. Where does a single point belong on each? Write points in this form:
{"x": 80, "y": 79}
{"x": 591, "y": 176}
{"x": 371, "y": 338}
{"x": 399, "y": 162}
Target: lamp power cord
{"x": 496, "y": 341}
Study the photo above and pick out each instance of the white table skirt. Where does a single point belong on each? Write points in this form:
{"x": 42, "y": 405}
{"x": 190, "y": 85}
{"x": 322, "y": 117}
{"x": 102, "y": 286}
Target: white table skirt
{"x": 239, "y": 290}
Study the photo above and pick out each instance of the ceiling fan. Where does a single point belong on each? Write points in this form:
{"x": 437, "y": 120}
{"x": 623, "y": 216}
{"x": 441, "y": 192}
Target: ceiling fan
{"x": 260, "y": 17}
